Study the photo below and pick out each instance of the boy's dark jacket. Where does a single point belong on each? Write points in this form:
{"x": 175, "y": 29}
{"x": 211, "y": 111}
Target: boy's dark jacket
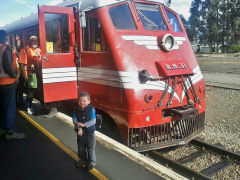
{"x": 84, "y": 116}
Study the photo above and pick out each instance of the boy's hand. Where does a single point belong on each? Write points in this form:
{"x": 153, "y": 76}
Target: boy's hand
{"x": 80, "y": 124}
{"x": 80, "y": 132}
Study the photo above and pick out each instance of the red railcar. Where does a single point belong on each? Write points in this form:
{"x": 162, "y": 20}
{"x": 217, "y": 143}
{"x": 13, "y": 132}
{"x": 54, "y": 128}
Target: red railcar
{"x": 134, "y": 59}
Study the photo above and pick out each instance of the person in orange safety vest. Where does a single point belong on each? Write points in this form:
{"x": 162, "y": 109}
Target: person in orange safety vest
{"x": 8, "y": 83}
{"x": 29, "y": 61}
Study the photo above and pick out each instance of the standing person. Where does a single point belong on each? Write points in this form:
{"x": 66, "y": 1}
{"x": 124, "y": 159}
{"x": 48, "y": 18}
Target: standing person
{"x": 84, "y": 120}
{"x": 30, "y": 60}
{"x": 8, "y": 83}
{"x": 21, "y": 86}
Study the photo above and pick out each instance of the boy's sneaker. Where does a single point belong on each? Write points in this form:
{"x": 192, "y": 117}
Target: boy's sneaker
{"x": 89, "y": 167}
{"x": 29, "y": 111}
{"x": 14, "y": 135}
{"x": 2, "y": 132}
{"x": 80, "y": 164}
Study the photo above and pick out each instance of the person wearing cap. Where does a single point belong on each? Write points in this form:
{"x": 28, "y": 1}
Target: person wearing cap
{"x": 8, "y": 83}
{"x": 29, "y": 61}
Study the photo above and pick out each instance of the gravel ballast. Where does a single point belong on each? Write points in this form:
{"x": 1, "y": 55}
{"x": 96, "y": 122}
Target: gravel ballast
{"x": 222, "y": 126}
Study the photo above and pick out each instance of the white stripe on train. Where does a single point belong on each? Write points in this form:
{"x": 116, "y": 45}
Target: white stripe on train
{"x": 150, "y": 42}
{"x": 119, "y": 79}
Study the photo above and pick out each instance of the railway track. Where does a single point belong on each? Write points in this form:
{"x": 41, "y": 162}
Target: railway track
{"x": 225, "y": 159}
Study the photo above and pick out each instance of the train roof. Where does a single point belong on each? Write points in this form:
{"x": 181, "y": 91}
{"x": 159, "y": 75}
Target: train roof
{"x": 92, "y": 4}
{"x": 85, "y": 5}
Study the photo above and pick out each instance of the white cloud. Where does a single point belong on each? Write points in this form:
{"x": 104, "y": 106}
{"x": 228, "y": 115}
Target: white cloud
{"x": 2, "y": 24}
{"x": 182, "y": 7}
{"x": 54, "y": 2}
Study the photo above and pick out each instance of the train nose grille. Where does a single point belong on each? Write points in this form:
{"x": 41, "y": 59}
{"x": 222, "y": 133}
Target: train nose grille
{"x": 165, "y": 135}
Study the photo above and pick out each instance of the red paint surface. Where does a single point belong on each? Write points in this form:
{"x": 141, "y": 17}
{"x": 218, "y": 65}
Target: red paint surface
{"x": 59, "y": 91}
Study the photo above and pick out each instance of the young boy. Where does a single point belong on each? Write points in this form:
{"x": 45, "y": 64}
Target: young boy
{"x": 84, "y": 120}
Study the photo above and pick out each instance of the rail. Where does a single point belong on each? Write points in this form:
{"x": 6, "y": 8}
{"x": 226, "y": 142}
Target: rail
{"x": 226, "y": 158}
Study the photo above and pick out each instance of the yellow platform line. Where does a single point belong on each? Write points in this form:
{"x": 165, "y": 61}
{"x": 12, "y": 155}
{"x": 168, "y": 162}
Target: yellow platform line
{"x": 94, "y": 171}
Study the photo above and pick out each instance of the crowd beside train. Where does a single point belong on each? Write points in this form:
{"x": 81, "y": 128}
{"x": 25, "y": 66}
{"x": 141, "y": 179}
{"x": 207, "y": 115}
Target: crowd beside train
{"x": 19, "y": 67}
{"x": 19, "y": 74}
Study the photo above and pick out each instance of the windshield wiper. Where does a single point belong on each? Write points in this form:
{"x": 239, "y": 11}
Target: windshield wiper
{"x": 148, "y": 20}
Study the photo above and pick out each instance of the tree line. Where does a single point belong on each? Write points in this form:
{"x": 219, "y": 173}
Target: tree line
{"x": 215, "y": 23}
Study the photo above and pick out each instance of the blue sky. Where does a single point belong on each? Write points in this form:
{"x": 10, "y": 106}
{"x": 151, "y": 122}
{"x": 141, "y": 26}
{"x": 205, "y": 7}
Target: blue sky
{"x": 15, "y": 9}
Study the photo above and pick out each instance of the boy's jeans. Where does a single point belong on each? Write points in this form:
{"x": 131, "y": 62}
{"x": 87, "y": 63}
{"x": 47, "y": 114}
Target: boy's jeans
{"x": 86, "y": 148}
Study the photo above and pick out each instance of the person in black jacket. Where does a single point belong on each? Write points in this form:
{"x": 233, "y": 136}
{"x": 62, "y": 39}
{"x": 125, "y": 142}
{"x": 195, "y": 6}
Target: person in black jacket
{"x": 8, "y": 83}
{"x": 84, "y": 120}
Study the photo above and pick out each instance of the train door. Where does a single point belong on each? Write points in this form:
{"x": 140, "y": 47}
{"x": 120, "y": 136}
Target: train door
{"x": 95, "y": 58}
{"x": 56, "y": 30}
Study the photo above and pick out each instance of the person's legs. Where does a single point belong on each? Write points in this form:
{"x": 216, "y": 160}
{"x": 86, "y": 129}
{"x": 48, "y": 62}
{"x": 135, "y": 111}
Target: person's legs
{"x": 29, "y": 100}
{"x": 19, "y": 93}
{"x": 9, "y": 114}
{"x": 82, "y": 150}
{"x": 91, "y": 143}
{"x": 2, "y": 130}
{"x": 9, "y": 108}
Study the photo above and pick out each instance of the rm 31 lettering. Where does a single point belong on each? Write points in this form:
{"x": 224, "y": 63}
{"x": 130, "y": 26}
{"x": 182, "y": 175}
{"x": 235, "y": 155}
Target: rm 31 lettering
{"x": 176, "y": 66}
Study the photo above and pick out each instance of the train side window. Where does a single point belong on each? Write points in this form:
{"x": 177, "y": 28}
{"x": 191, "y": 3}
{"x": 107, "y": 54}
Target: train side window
{"x": 93, "y": 36}
{"x": 57, "y": 33}
{"x": 121, "y": 17}
{"x": 174, "y": 21}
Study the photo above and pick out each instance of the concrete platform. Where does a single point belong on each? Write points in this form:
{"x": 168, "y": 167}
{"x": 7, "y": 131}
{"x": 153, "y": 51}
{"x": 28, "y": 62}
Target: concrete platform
{"x": 36, "y": 157}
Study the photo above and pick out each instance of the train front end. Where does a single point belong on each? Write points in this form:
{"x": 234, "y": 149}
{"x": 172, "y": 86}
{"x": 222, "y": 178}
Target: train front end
{"x": 164, "y": 91}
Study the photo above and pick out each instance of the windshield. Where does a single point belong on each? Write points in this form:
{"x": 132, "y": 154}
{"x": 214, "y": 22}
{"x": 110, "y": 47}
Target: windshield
{"x": 151, "y": 17}
{"x": 174, "y": 21}
{"x": 121, "y": 17}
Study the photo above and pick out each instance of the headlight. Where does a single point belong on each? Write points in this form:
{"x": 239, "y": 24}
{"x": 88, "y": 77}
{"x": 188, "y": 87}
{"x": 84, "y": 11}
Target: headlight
{"x": 167, "y": 42}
